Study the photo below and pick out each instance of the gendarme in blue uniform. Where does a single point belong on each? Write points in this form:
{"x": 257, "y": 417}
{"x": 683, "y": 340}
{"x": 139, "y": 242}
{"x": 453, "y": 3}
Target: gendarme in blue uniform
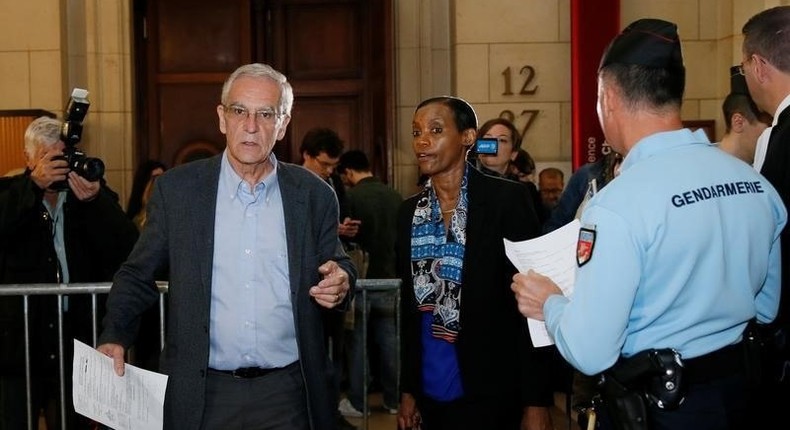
{"x": 686, "y": 251}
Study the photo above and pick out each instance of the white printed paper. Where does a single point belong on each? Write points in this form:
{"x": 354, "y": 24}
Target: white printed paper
{"x": 132, "y": 401}
{"x": 552, "y": 255}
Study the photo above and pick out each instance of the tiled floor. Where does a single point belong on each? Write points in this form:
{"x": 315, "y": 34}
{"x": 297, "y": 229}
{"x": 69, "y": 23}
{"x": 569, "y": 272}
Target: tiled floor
{"x": 380, "y": 420}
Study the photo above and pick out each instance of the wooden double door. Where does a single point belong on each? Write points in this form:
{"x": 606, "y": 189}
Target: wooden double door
{"x": 337, "y": 54}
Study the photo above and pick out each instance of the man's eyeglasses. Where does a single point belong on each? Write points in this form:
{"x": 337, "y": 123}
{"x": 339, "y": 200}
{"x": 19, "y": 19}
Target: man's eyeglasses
{"x": 239, "y": 113}
{"x": 740, "y": 68}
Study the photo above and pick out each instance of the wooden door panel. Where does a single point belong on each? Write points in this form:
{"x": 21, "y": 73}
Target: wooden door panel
{"x": 335, "y": 53}
{"x": 188, "y": 49}
{"x": 337, "y": 113}
{"x": 323, "y": 41}
{"x": 188, "y": 114}
{"x": 202, "y": 37}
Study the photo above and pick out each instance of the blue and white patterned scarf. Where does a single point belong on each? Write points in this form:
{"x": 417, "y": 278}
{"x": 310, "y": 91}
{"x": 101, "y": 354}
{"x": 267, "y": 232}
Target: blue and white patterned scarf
{"x": 437, "y": 259}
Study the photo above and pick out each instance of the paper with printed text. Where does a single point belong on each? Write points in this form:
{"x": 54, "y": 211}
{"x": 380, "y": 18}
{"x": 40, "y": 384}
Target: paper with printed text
{"x": 552, "y": 255}
{"x": 132, "y": 401}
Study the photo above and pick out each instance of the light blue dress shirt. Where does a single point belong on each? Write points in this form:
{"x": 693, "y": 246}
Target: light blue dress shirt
{"x": 252, "y": 322}
{"x": 686, "y": 252}
{"x": 56, "y": 217}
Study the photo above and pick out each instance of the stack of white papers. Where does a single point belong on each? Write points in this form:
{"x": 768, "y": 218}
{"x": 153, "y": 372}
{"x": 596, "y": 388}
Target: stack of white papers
{"x": 552, "y": 255}
{"x": 132, "y": 401}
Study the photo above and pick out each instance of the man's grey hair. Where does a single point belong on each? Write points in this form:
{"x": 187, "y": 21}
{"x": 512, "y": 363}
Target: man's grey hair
{"x": 259, "y": 70}
{"x": 43, "y": 131}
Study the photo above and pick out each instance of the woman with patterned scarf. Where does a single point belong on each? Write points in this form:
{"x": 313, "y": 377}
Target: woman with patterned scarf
{"x": 466, "y": 356}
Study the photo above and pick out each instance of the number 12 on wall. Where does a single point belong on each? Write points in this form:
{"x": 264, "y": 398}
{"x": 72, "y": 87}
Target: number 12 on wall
{"x": 529, "y": 73}
{"x": 531, "y": 114}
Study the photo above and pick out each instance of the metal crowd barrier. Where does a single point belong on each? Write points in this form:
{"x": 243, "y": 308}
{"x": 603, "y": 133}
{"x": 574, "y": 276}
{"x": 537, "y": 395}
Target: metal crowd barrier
{"x": 60, "y": 290}
{"x": 363, "y": 287}
{"x": 26, "y": 290}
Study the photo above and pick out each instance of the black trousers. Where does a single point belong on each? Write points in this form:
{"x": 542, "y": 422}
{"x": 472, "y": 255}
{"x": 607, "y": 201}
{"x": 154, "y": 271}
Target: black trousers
{"x": 275, "y": 401}
{"x": 719, "y": 404}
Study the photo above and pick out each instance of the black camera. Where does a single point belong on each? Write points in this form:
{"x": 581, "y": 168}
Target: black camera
{"x": 487, "y": 146}
{"x": 89, "y": 168}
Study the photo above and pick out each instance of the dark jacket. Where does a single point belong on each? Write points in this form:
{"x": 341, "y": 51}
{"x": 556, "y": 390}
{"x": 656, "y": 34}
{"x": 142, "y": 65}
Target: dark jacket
{"x": 180, "y": 231}
{"x": 537, "y": 203}
{"x": 495, "y": 353}
{"x": 573, "y": 194}
{"x": 98, "y": 237}
{"x": 376, "y": 205}
{"x": 776, "y": 168}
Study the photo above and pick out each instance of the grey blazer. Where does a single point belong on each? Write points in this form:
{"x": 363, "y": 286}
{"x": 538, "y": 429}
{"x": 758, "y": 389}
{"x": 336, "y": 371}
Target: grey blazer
{"x": 180, "y": 234}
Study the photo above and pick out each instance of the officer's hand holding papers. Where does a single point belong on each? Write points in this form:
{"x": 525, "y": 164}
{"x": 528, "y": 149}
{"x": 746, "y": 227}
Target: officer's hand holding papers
{"x": 547, "y": 265}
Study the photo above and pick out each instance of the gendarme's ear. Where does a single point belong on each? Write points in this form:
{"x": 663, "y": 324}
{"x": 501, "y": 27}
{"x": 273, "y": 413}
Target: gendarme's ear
{"x": 737, "y": 122}
{"x": 610, "y": 97}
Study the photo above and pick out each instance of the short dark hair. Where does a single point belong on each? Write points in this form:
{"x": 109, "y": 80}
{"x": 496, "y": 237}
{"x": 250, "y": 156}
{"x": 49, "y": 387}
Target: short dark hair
{"x": 524, "y": 162}
{"x": 552, "y": 172}
{"x": 320, "y": 139}
{"x": 463, "y": 113}
{"x": 355, "y": 160}
{"x": 514, "y": 134}
{"x": 768, "y": 35}
{"x": 742, "y": 104}
{"x": 647, "y": 86}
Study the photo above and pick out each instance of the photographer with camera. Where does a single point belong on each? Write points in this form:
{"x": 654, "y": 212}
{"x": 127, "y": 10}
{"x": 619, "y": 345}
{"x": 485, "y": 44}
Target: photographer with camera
{"x": 52, "y": 234}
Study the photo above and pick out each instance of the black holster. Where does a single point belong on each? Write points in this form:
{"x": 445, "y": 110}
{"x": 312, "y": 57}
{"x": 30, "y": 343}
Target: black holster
{"x": 625, "y": 408}
{"x": 754, "y": 352}
{"x": 654, "y": 376}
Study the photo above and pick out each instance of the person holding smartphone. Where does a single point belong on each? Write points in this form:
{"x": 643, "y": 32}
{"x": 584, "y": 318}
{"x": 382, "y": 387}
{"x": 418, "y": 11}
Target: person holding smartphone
{"x": 497, "y": 146}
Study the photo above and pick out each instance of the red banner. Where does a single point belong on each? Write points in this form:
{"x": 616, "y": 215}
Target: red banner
{"x": 593, "y": 25}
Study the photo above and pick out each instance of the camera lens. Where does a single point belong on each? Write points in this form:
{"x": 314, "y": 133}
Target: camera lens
{"x": 93, "y": 169}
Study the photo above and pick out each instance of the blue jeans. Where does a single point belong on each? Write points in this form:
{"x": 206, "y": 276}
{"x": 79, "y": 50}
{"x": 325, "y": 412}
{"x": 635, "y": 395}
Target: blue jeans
{"x": 382, "y": 340}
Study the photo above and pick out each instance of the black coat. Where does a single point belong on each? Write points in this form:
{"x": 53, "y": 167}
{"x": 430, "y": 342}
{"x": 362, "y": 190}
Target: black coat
{"x": 495, "y": 353}
{"x": 776, "y": 168}
{"x": 98, "y": 236}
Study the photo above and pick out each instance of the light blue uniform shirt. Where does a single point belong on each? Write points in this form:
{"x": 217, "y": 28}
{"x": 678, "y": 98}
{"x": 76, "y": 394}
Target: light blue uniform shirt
{"x": 686, "y": 252}
{"x": 251, "y": 322}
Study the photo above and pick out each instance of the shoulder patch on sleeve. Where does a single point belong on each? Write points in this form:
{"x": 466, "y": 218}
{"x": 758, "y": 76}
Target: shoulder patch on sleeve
{"x": 585, "y": 244}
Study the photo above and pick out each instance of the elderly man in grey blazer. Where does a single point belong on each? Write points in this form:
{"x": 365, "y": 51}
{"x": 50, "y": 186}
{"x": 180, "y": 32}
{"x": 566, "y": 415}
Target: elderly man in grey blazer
{"x": 254, "y": 260}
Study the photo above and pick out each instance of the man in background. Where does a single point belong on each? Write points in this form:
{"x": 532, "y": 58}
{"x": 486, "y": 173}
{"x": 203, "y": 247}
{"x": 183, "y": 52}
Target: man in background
{"x": 321, "y": 148}
{"x": 55, "y": 227}
{"x": 744, "y": 121}
{"x": 375, "y": 205}
{"x": 551, "y": 182}
{"x": 743, "y": 125}
{"x": 766, "y": 68}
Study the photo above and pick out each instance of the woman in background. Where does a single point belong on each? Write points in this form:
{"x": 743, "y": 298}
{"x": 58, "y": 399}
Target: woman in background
{"x": 145, "y": 352}
{"x": 144, "y": 178}
{"x": 501, "y": 164}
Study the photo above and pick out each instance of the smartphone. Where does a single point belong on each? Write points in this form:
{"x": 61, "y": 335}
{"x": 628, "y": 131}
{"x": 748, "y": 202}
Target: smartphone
{"x": 486, "y": 145}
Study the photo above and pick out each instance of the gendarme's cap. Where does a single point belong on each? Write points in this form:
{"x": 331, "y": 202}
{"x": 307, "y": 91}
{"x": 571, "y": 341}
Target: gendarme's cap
{"x": 647, "y": 42}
